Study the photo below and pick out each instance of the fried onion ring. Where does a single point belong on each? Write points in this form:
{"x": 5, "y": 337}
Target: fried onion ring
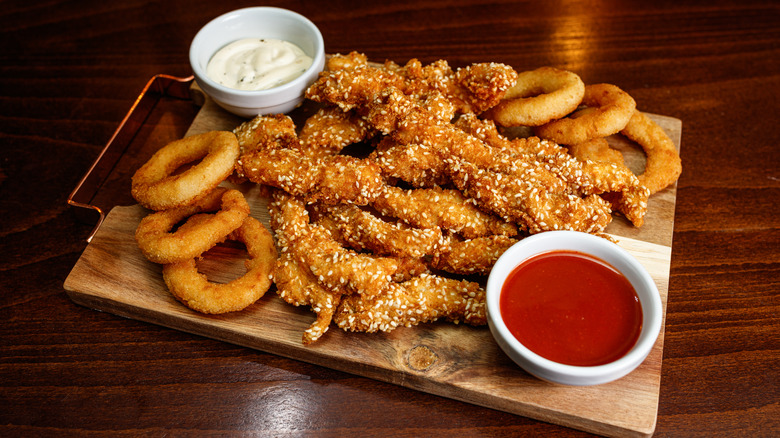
{"x": 156, "y": 187}
{"x": 159, "y": 245}
{"x": 663, "y": 165}
{"x": 194, "y": 290}
{"x": 608, "y": 110}
{"x": 538, "y": 97}
{"x": 598, "y": 150}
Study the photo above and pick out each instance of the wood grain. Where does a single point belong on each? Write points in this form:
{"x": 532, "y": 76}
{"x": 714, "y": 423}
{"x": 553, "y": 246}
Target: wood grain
{"x": 458, "y": 362}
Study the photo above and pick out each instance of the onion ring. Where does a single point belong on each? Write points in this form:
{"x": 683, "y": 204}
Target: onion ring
{"x": 597, "y": 150}
{"x": 609, "y": 109}
{"x": 159, "y": 245}
{"x": 193, "y": 289}
{"x": 663, "y": 165}
{"x": 538, "y": 97}
{"x": 156, "y": 187}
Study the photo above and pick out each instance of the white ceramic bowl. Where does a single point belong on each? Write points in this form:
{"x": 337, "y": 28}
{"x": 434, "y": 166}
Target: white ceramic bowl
{"x": 601, "y": 248}
{"x": 257, "y": 22}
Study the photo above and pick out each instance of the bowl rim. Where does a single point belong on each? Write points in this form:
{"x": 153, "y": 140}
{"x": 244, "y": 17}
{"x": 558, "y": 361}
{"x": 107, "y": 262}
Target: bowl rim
{"x": 650, "y": 299}
{"x": 205, "y": 81}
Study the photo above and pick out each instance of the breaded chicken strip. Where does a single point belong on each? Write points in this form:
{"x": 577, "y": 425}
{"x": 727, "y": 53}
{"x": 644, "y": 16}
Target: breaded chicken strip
{"x": 471, "y": 256}
{"x": 330, "y": 130}
{"x": 363, "y": 230}
{"x": 425, "y": 298}
{"x": 441, "y": 208}
{"x": 333, "y": 179}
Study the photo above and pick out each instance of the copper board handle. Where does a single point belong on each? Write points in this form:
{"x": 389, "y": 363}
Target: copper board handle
{"x": 158, "y": 87}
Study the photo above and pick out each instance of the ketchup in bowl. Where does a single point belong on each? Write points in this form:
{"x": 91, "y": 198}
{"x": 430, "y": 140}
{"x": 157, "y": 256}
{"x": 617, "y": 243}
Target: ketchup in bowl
{"x": 571, "y": 308}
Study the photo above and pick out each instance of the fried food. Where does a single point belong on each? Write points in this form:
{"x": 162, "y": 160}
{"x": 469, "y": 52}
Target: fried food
{"x": 425, "y": 298}
{"x": 278, "y": 132}
{"x": 608, "y": 111}
{"x": 441, "y": 208}
{"x": 296, "y": 285}
{"x": 335, "y": 267}
{"x": 329, "y": 131}
{"x": 332, "y": 179}
{"x": 528, "y": 196}
{"x": 538, "y": 97}
{"x": 528, "y": 193}
{"x": 597, "y": 150}
{"x": 159, "y": 245}
{"x": 155, "y": 186}
{"x": 663, "y": 165}
{"x": 416, "y": 164}
{"x": 362, "y": 230}
{"x": 372, "y": 240}
{"x": 471, "y": 256}
{"x": 471, "y": 89}
{"x": 194, "y": 290}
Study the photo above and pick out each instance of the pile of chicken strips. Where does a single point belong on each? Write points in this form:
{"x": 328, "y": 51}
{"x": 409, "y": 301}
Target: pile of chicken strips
{"x": 404, "y": 229}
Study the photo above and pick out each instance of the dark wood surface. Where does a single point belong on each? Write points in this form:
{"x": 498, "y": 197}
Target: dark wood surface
{"x": 71, "y": 70}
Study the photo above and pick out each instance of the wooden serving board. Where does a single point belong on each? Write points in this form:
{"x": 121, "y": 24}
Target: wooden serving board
{"x": 455, "y": 361}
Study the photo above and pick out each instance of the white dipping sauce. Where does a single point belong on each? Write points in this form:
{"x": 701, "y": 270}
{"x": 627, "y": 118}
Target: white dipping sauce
{"x": 257, "y": 64}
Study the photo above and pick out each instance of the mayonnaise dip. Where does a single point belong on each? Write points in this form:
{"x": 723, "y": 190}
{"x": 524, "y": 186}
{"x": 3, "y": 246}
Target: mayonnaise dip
{"x": 257, "y": 64}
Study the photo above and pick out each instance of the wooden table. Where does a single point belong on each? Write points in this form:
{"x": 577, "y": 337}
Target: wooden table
{"x": 71, "y": 71}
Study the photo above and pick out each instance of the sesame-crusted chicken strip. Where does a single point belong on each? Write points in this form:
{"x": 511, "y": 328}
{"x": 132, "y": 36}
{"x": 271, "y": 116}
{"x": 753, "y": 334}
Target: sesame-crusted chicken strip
{"x": 343, "y": 62}
{"x": 540, "y": 199}
{"x": 471, "y": 256}
{"x": 330, "y": 130}
{"x": 296, "y": 285}
{"x": 363, "y": 230}
{"x": 266, "y": 131}
{"x": 416, "y": 164}
{"x": 621, "y": 187}
{"x": 584, "y": 176}
{"x": 353, "y": 87}
{"x": 336, "y": 268}
{"x": 423, "y": 299}
{"x": 521, "y": 198}
{"x": 441, "y": 208}
{"x": 334, "y": 179}
{"x": 471, "y": 89}
{"x": 552, "y": 204}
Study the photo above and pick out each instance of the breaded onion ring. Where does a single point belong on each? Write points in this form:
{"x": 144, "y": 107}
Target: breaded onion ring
{"x": 155, "y": 186}
{"x": 609, "y": 109}
{"x": 194, "y": 290}
{"x": 538, "y": 97}
{"x": 663, "y": 165}
{"x": 597, "y": 150}
{"x": 159, "y": 245}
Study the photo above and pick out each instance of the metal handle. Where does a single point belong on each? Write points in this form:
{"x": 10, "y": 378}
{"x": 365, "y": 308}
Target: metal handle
{"x": 158, "y": 87}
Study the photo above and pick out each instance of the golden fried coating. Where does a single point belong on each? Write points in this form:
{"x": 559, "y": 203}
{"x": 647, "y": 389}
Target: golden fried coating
{"x": 583, "y": 176}
{"x": 441, "y": 208}
{"x": 522, "y": 188}
{"x": 471, "y": 256}
{"x": 298, "y": 286}
{"x": 596, "y": 150}
{"x": 470, "y": 89}
{"x": 425, "y": 298}
{"x": 333, "y": 179}
{"x": 335, "y": 267}
{"x": 330, "y": 130}
{"x": 540, "y": 202}
{"x": 663, "y": 165}
{"x": 363, "y": 230}
{"x": 266, "y": 132}
{"x": 416, "y": 164}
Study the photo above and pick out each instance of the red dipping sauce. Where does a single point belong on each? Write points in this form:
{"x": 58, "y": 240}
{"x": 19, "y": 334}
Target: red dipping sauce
{"x": 571, "y": 308}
